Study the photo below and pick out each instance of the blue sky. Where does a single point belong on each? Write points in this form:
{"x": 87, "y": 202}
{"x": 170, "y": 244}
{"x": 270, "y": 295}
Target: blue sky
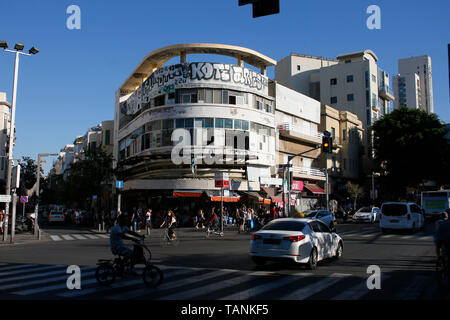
{"x": 69, "y": 86}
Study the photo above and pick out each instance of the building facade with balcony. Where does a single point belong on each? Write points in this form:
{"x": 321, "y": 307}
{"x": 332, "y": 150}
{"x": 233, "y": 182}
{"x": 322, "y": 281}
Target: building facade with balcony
{"x": 176, "y": 126}
{"x": 353, "y": 82}
{"x": 5, "y": 114}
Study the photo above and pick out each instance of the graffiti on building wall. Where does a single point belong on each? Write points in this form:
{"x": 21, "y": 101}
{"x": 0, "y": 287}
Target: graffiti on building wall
{"x": 167, "y": 79}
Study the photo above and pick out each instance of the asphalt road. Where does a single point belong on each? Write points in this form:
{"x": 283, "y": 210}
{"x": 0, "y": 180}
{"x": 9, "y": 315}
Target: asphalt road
{"x": 218, "y": 268}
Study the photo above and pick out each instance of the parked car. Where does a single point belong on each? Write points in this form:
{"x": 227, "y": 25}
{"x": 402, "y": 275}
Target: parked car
{"x": 301, "y": 240}
{"x": 401, "y": 215}
{"x": 323, "y": 215}
{"x": 367, "y": 214}
{"x": 56, "y": 217}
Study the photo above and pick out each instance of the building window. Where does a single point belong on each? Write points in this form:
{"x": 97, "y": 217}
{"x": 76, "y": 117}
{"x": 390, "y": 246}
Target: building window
{"x": 190, "y": 98}
{"x": 344, "y": 135}
{"x": 333, "y": 81}
{"x": 333, "y": 132}
{"x": 345, "y": 164}
{"x": 333, "y": 100}
{"x": 348, "y": 61}
{"x": 350, "y": 78}
{"x": 107, "y": 137}
{"x": 350, "y": 97}
{"x": 298, "y": 67}
{"x": 374, "y": 78}
{"x": 160, "y": 100}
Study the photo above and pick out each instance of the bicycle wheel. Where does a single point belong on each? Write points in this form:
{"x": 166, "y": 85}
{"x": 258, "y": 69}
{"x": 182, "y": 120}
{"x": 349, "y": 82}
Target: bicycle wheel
{"x": 105, "y": 274}
{"x": 442, "y": 272}
{"x": 208, "y": 233}
{"x": 175, "y": 241}
{"x": 152, "y": 276}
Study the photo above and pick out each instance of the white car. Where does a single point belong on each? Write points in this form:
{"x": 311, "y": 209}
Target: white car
{"x": 323, "y": 215}
{"x": 56, "y": 216}
{"x": 401, "y": 215}
{"x": 367, "y": 214}
{"x": 301, "y": 240}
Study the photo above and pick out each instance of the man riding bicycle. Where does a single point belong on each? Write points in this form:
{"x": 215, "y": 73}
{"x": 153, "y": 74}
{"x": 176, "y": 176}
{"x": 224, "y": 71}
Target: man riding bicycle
{"x": 119, "y": 232}
{"x": 442, "y": 234}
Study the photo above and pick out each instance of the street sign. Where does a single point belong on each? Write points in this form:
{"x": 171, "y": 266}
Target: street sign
{"x": 221, "y": 179}
{"x": 5, "y": 198}
{"x": 94, "y": 197}
{"x": 15, "y": 179}
{"x": 119, "y": 184}
{"x": 271, "y": 181}
{"x": 24, "y": 199}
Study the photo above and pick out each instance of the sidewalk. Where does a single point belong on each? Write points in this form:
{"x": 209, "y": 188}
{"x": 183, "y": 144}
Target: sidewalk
{"x": 23, "y": 238}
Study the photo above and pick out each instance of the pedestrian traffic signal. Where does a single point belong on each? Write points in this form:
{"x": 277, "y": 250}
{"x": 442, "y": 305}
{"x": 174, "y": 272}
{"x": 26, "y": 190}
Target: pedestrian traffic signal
{"x": 262, "y": 7}
{"x": 327, "y": 143}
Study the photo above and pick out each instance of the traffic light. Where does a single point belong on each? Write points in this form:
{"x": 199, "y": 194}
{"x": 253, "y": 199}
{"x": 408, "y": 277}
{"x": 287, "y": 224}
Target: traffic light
{"x": 327, "y": 143}
{"x": 262, "y": 7}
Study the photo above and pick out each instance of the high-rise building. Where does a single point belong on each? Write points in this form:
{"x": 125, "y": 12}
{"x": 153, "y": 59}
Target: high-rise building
{"x": 353, "y": 82}
{"x": 4, "y": 132}
{"x": 413, "y": 86}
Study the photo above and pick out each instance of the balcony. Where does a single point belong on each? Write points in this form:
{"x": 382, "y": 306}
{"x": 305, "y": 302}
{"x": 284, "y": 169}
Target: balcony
{"x": 299, "y": 133}
{"x": 308, "y": 173}
{"x": 386, "y": 93}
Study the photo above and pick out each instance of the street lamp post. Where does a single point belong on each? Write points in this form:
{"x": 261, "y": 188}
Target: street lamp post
{"x": 37, "y": 231}
{"x": 18, "y": 51}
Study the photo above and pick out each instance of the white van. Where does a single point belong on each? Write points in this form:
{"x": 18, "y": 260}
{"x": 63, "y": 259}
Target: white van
{"x": 401, "y": 215}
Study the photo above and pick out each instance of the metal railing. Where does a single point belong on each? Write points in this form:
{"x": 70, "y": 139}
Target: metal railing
{"x": 290, "y": 127}
{"x": 315, "y": 172}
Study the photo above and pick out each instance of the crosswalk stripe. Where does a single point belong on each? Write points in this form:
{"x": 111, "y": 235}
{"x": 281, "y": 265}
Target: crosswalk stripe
{"x": 103, "y": 236}
{"x": 14, "y": 267}
{"x": 171, "y": 285}
{"x": 51, "y": 288}
{"x": 60, "y": 269}
{"x": 67, "y": 237}
{"x": 386, "y": 236}
{"x": 91, "y": 236}
{"x": 120, "y": 284}
{"x": 189, "y": 294}
{"x": 246, "y": 294}
{"x": 357, "y": 291}
{"x": 33, "y": 270}
{"x": 307, "y": 291}
{"x": 56, "y": 238}
{"x": 41, "y": 281}
{"x": 79, "y": 236}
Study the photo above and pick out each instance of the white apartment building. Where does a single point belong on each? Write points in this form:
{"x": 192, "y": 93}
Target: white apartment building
{"x": 353, "y": 82}
{"x": 413, "y": 86}
{"x": 4, "y": 132}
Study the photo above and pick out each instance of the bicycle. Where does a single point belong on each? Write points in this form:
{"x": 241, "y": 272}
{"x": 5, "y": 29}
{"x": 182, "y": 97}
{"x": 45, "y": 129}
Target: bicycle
{"x": 108, "y": 270}
{"x": 166, "y": 239}
{"x": 443, "y": 270}
{"x": 210, "y": 230}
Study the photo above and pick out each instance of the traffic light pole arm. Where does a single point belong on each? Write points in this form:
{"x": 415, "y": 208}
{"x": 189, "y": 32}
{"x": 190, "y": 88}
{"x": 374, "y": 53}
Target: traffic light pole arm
{"x": 302, "y": 153}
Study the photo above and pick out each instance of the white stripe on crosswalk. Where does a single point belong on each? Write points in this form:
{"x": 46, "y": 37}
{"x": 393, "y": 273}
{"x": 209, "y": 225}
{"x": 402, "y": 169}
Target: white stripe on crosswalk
{"x": 25, "y": 271}
{"x": 355, "y": 292}
{"x": 79, "y": 237}
{"x": 246, "y": 294}
{"x": 171, "y": 285}
{"x": 189, "y": 294}
{"x": 15, "y": 267}
{"x": 41, "y": 281}
{"x": 120, "y": 284}
{"x": 67, "y": 237}
{"x": 52, "y": 288}
{"x": 316, "y": 287}
{"x": 56, "y": 238}
{"x": 91, "y": 236}
{"x": 106, "y": 236}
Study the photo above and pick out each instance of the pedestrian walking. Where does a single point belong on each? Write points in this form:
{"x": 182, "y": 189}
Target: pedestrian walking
{"x": 2, "y": 214}
{"x": 148, "y": 221}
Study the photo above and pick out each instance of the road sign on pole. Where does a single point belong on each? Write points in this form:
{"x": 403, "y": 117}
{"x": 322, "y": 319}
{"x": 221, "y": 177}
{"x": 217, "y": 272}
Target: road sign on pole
{"x": 24, "y": 199}
{"x": 119, "y": 184}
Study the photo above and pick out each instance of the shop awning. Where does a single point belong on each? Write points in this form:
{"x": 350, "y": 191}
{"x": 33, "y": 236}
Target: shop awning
{"x": 314, "y": 188}
{"x": 271, "y": 194}
{"x": 215, "y": 196}
{"x": 188, "y": 193}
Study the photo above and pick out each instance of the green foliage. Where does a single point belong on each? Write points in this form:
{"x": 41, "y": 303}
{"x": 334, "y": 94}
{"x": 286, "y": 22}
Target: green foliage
{"x": 410, "y": 148}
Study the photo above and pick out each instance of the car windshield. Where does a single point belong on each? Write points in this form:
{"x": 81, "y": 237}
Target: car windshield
{"x": 56, "y": 212}
{"x": 285, "y": 225}
{"x": 394, "y": 209}
{"x": 310, "y": 213}
{"x": 365, "y": 209}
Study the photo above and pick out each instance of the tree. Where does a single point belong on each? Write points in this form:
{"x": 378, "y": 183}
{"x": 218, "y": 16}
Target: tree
{"x": 410, "y": 148}
{"x": 355, "y": 191}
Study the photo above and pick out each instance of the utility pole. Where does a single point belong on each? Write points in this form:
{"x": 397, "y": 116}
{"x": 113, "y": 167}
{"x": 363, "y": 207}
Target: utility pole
{"x": 18, "y": 48}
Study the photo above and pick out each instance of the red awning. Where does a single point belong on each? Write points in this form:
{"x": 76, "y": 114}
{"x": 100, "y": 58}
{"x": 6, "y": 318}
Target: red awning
{"x": 188, "y": 193}
{"x": 314, "y": 188}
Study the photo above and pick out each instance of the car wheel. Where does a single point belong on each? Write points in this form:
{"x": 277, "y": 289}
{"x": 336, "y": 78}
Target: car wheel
{"x": 339, "y": 251}
{"x": 312, "y": 263}
{"x": 259, "y": 261}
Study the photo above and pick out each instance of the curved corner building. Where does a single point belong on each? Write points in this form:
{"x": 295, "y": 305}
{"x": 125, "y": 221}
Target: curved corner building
{"x": 226, "y": 112}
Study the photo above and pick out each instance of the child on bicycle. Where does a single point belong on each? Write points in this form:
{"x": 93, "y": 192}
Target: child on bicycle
{"x": 170, "y": 221}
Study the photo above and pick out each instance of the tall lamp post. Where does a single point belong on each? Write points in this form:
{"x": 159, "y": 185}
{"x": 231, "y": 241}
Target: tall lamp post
{"x": 37, "y": 231}
{"x": 17, "y": 51}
